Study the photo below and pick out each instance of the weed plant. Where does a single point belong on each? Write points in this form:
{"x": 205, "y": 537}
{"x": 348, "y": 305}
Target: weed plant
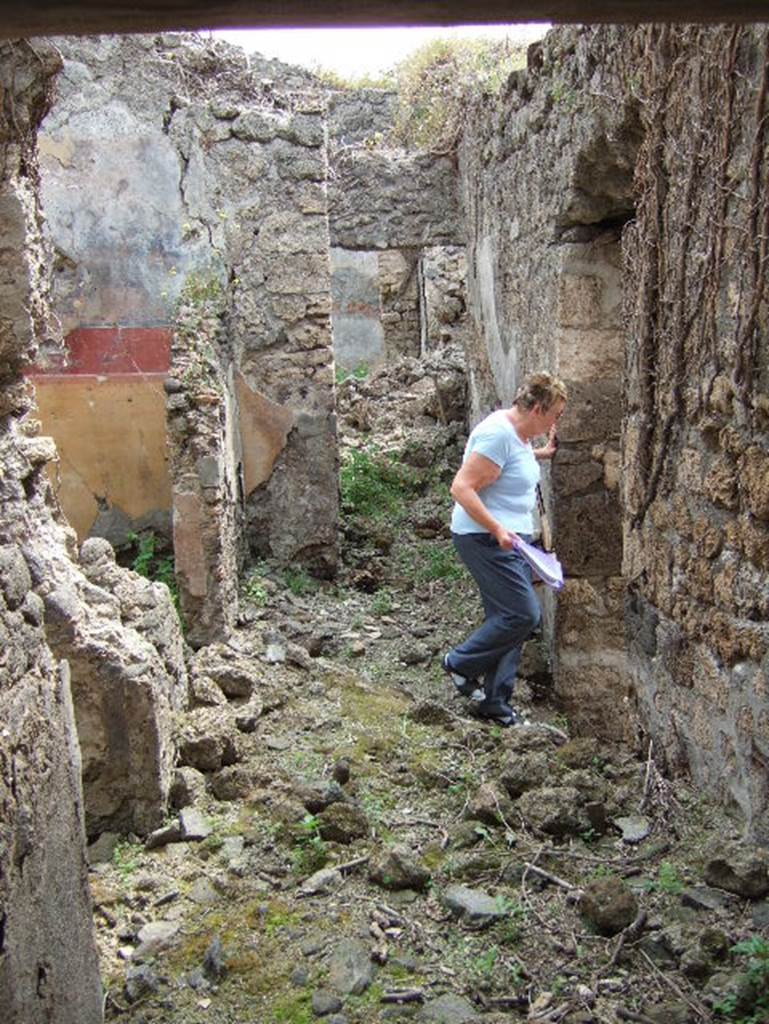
{"x": 360, "y": 372}
{"x": 373, "y": 484}
{"x": 153, "y": 565}
{"x": 309, "y": 853}
{"x": 731, "y": 1008}
{"x": 436, "y": 81}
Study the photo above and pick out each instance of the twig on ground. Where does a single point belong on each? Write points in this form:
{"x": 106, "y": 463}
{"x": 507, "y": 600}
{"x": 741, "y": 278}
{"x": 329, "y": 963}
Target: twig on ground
{"x": 411, "y": 995}
{"x": 694, "y": 1004}
{"x": 350, "y": 864}
{"x": 550, "y": 877}
{"x": 629, "y": 934}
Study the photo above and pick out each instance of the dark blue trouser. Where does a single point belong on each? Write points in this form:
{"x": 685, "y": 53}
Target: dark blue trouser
{"x": 511, "y": 608}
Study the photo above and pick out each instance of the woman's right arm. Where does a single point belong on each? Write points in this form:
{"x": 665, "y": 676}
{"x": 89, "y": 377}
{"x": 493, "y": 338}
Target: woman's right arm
{"x": 475, "y": 473}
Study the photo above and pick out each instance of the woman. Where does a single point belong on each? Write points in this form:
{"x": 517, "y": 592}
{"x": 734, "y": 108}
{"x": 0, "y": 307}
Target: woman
{"x": 495, "y": 493}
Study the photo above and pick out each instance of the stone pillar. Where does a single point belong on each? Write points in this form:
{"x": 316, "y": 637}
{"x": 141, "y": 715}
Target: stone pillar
{"x": 592, "y": 677}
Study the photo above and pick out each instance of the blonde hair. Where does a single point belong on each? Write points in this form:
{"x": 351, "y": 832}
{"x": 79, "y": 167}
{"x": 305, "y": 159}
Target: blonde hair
{"x": 542, "y": 389}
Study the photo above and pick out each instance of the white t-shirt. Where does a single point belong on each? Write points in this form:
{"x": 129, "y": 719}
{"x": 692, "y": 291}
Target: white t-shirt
{"x": 512, "y": 496}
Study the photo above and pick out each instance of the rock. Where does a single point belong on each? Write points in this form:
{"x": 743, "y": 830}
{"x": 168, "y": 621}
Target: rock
{"x": 139, "y": 982}
{"x": 609, "y": 905}
{"x": 194, "y": 826}
{"x": 474, "y": 908}
{"x": 670, "y": 1013}
{"x": 275, "y": 654}
{"x": 350, "y": 970}
{"x": 524, "y": 772}
{"x": 232, "y": 672}
{"x": 323, "y": 881}
{"x": 634, "y": 828}
{"x": 231, "y": 783}
{"x": 761, "y": 914}
{"x": 490, "y": 804}
{"x": 466, "y": 834}
{"x": 247, "y": 718}
{"x": 740, "y": 869}
{"x": 555, "y": 810}
{"x": 204, "y": 691}
{"x": 155, "y": 936}
{"x": 343, "y": 823}
{"x": 214, "y": 967}
{"x": 299, "y": 977}
{"x": 162, "y": 836}
{"x": 703, "y": 897}
{"x": 701, "y": 959}
{"x": 317, "y": 796}
{"x": 205, "y": 742}
{"x": 414, "y": 654}
{"x": 341, "y": 771}
{"x": 203, "y": 892}
{"x": 102, "y": 849}
{"x": 325, "y": 1002}
{"x": 448, "y": 1009}
{"x": 398, "y": 868}
{"x": 188, "y": 786}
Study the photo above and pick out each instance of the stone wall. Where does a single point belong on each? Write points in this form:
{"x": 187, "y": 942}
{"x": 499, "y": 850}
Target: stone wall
{"x": 204, "y": 455}
{"x": 46, "y": 937}
{"x": 547, "y": 184}
{"x": 212, "y": 169}
{"x": 695, "y": 464}
{"x": 380, "y": 196}
{"x": 663, "y": 128}
{"x": 383, "y": 199}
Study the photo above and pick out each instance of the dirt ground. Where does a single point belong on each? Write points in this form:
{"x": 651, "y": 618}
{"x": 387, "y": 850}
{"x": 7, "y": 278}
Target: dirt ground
{"x": 466, "y": 871}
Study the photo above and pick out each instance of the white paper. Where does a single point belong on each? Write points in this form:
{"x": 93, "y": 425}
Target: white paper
{"x": 544, "y": 563}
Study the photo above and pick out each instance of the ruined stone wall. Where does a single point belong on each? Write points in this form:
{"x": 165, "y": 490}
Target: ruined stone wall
{"x": 204, "y": 167}
{"x": 380, "y": 196}
{"x": 666, "y": 129}
{"x": 695, "y": 464}
{"x": 204, "y": 456}
{"x": 265, "y": 166}
{"x": 46, "y": 937}
{"x": 547, "y": 184}
{"x": 117, "y": 633}
{"x": 382, "y": 199}
{"x": 444, "y": 294}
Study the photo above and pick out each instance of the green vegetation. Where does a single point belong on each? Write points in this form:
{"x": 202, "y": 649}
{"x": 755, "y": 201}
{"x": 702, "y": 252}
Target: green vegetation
{"x": 152, "y": 564}
{"x": 309, "y": 853}
{"x": 333, "y": 80}
{"x": 436, "y": 81}
{"x": 360, "y": 372}
{"x": 755, "y": 1009}
{"x": 667, "y": 880}
{"x": 382, "y": 603}
{"x": 372, "y": 483}
{"x": 435, "y": 560}
{"x": 126, "y": 858}
{"x": 198, "y": 323}
{"x": 253, "y": 590}
{"x": 299, "y": 582}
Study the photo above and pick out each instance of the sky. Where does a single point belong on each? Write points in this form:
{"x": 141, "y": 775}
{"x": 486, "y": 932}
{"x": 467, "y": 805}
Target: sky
{"x": 357, "y": 51}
